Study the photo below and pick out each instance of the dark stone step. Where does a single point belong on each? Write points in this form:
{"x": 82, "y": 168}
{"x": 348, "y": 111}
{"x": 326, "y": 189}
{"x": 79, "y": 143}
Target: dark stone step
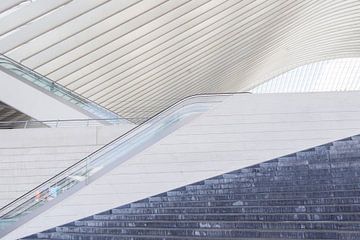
{"x": 112, "y": 237}
{"x": 280, "y": 181}
{"x": 336, "y": 154}
{"x": 300, "y": 175}
{"x": 286, "y": 176}
{"x": 242, "y": 209}
{"x": 311, "y": 194}
{"x": 289, "y": 186}
{"x": 200, "y": 234}
{"x": 287, "y": 202}
{"x": 350, "y": 143}
{"x": 296, "y": 165}
{"x": 252, "y": 188}
{"x": 334, "y": 226}
{"x": 234, "y": 217}
{"x": 233, "y": 195}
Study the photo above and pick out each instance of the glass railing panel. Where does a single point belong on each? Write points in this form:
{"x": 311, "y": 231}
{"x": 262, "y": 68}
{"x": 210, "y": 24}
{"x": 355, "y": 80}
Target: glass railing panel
{"x": 54, "y": 88}
{"x": 65, "y": 123}
{"x": 115, "y": 152}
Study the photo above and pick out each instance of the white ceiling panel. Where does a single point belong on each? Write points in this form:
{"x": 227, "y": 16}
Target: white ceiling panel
{"x": 136, "y": 57}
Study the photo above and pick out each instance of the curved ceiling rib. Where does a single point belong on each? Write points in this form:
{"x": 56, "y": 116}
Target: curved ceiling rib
{"x": 332, "y": 75}
{"x": 136, "y": 57}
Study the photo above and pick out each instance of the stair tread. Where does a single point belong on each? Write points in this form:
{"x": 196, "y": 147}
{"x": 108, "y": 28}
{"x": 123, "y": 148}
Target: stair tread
{"x": 311, "y": 194}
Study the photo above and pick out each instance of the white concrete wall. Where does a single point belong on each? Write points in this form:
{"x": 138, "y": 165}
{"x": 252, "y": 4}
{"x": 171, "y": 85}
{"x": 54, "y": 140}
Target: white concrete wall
{"x": 29, "y": 157}
{"x": 241, "y": 131}
{"x": 34, "y": 102}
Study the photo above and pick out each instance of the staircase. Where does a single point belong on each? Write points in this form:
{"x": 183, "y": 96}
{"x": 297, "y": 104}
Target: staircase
{"x": 9, "y": 116}
{"x": 312, "y": 194}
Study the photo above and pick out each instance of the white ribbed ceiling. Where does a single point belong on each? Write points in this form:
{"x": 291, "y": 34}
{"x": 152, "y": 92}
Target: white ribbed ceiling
{"x": 137, "y": 57}
{"x": 341, "y": 74}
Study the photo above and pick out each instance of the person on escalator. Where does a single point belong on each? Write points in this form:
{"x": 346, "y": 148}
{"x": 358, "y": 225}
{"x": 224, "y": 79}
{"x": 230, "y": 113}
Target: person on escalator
{"x": 53, "y": 192}
{"x": 38, "y": 196}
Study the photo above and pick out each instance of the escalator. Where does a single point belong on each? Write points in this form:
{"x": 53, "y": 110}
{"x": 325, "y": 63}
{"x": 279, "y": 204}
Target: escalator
{"x": 103, "y": 160}
{"x": 14, "y": 70}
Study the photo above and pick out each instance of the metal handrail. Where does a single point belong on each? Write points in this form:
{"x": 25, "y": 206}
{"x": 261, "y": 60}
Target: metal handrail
{"x": 85, "y": 168}
{"x": 48, "y": 85}
{"x": 23, "y": 124}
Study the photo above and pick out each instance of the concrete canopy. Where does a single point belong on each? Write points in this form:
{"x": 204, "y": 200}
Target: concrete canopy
{"x": 137, "y": 57}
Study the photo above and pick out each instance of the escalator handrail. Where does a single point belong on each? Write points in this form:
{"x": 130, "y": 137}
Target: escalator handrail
{"x": 153, "y": 118}
{"x": 20, "y": 67}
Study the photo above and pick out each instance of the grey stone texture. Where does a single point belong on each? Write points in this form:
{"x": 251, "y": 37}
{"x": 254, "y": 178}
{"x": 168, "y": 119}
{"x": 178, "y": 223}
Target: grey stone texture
{"x": 312, "y": 194}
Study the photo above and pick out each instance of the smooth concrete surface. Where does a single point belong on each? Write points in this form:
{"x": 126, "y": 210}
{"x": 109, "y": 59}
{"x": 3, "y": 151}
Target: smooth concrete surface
{"x": 29, "y": 157}
{"x": 241, "y": 131}
{"x": 36, "y": 103}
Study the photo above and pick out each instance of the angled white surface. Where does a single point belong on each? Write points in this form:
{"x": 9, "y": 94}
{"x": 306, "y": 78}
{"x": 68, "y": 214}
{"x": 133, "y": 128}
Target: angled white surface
{"x": 28, "y": 157}
{"x": 36, "y": 103}
{"x": 241, "y": 131}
